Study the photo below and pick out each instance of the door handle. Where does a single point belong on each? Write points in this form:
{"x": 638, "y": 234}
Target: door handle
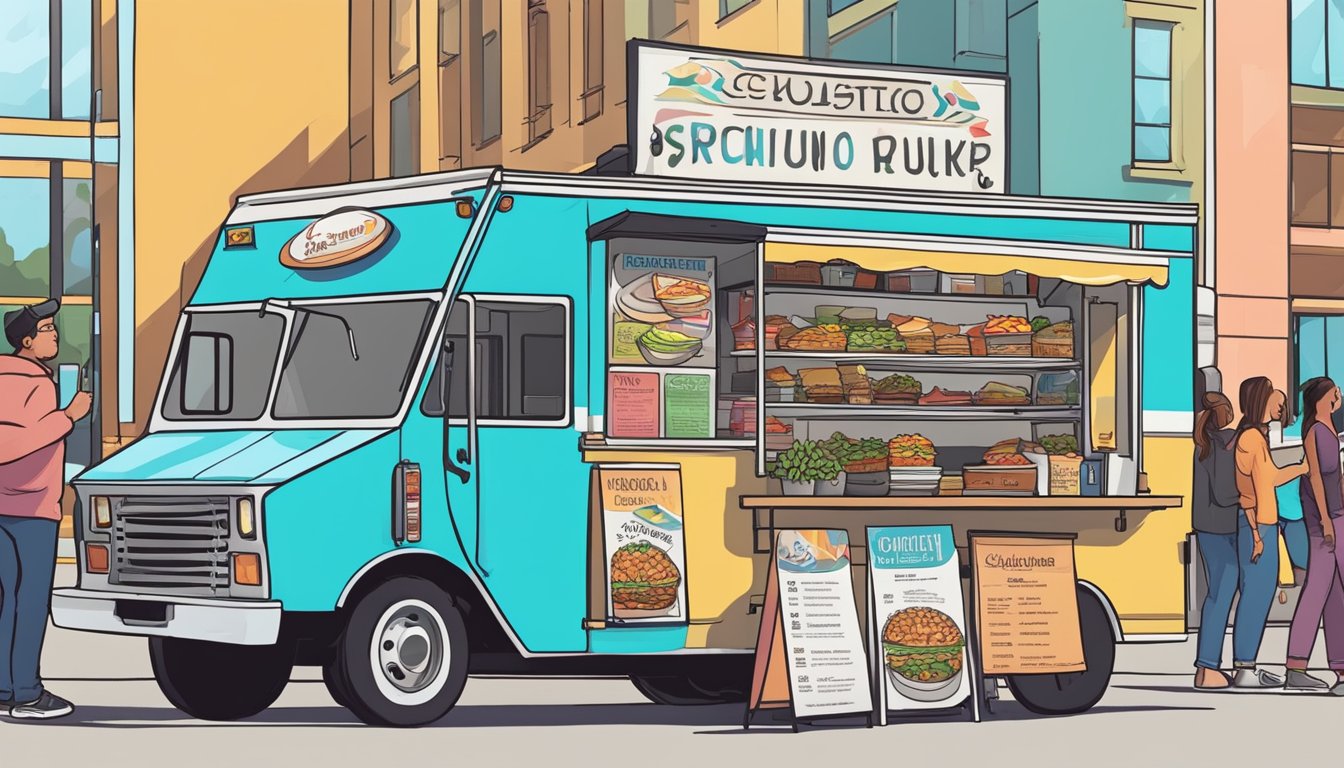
{"x": 462, "y": 474}
{"x": 462, "y": 455}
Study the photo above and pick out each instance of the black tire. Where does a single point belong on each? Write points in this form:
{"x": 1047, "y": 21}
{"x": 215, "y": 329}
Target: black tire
{"x": 720, "y": 684}
{"x": 414, "y": 612}
{"x": 336, "y": 686}
{"x": 219, "y": 681}
{"x": 1077, "y": 691}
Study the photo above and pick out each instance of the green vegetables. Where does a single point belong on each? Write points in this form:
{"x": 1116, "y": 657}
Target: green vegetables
{"x": 875, "y": 338}
{"x": 806, "y": 461}
{"x": 1058, "y": 445}
{"x": 668, "y": 342}
{"x": 848, "y": 451}
{"x": 1038, "y": 322}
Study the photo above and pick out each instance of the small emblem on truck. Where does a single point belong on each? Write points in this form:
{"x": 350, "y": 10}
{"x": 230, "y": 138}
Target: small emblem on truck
{"x": 335, "y": 239}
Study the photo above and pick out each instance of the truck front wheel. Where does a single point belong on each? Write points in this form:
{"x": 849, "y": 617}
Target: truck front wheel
{"x": 402, "y": 656}
{"x": 219, "y": 681}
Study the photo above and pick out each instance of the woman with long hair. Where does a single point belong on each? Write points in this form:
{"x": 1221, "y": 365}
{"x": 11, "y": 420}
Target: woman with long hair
{"x": 1322, "y": 495}
{"x": 1214, "y": 514}
{"x": 1257, "y": 528}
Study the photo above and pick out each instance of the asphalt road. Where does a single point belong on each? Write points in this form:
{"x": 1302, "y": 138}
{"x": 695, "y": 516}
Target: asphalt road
{"x": 1149, "y": 716}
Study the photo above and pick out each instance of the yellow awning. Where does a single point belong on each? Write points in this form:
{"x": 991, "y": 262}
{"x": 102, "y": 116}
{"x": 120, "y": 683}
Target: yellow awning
{"x": 1093, "y": 269}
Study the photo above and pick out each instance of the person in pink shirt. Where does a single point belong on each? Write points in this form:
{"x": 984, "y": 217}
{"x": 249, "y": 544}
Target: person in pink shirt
{"x": 32, "y": 480}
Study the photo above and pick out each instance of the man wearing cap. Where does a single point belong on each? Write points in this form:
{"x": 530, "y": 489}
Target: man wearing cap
{"x": 32, "y": 480}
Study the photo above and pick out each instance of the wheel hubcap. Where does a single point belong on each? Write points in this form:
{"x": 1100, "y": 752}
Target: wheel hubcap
{"x": 410, "y": 647}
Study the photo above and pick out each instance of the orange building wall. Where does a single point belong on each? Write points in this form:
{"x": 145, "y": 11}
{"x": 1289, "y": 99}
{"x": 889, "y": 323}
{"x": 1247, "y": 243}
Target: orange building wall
{"x": 1251, "y": 153}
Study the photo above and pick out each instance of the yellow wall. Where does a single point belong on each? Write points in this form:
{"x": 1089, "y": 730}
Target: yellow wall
{"x": 766, "y": 26}
{"x": 224, "y": 108}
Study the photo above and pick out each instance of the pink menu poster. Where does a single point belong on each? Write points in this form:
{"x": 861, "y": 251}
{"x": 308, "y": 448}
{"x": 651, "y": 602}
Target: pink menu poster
{"x": 633, "y": 404}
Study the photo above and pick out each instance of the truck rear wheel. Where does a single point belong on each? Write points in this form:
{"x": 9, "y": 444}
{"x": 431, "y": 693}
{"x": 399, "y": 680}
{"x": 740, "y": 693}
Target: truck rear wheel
{"x": 219, "y": 681}
{"x": 402, "y": 656}
{"x": 1077, "y": 691}
{"x": 720, "y": 684}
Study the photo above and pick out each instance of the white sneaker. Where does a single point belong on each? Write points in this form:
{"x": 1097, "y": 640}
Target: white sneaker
{"x": 1248, "y": 679}
{"x": 1298, "y": 681}
{"x": 47, "y": 707}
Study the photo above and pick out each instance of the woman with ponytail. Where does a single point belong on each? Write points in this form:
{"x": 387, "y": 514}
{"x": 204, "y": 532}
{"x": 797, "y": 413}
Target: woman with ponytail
{"x": 1214, "y": 513}
{"x": 1257, "y": 528}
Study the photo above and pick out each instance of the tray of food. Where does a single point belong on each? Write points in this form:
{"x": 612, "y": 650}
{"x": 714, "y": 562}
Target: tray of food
{"x": 897, "y": 389}
{"x": 998, "y": 394}
{"x": 1053, "y": 341}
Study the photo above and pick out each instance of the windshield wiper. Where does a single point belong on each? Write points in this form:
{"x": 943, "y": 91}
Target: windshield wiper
{"x": 349, "y": 332}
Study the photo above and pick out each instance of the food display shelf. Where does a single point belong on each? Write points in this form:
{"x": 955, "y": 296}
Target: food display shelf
{"x": 917, "y": 412}
{"x": 927, "y": 362}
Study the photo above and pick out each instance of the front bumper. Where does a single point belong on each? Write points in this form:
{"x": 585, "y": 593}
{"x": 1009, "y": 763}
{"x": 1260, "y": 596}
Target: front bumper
{"x": 251, "y": 622}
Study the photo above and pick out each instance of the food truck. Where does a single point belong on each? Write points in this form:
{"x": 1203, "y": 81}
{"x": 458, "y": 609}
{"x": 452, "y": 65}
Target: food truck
{"x": 494, "y": 421}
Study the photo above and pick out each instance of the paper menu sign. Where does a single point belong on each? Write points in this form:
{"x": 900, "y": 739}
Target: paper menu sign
{"x": 688, "y": 405}
{"x": 645, "y": 548}
{"x": 919, "y": 632}
{"x": 633, "y": 403}
{"x": 1027, "y": 605}
{"x": 827, "y": 663}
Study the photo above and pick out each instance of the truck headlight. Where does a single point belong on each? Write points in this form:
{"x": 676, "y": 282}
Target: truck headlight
{"x": 247, "y": 519}
{"x": 102, "y": 511}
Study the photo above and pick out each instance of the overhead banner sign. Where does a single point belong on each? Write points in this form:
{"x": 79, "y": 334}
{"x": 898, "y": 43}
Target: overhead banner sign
{"x": 704, "y": 114}
{"x": 919, "y": 618}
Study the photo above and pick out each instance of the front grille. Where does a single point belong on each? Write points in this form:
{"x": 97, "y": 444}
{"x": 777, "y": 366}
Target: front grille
{"x": 171, "y": 543}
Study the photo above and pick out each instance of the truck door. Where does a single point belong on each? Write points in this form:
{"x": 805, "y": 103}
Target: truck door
{"x": 531, "y": 544}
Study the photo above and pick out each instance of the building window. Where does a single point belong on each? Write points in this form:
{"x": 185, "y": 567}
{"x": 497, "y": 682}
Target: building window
{"x": 25, "y": 59}
{"x": 538, "y": 71}
{"x": 729, "y": 7}
{"x": 450, "y": 30}
{"x": 593, "y": 59}
{"x": 1318, "y": 350}
{"x": 405, "y": 131}
{"x": 1152, "y": 91}
{"x": 25, "y": 237}
{"x": 76, "y": 58}
{"x": 403, "y": 48}
{"x": 1314, "y": 202}
{"x": 668, "y": 18}
{"x": 486, "y": 66}
{"x": 77, "y": 237}
{"x": 1317, "y": 56}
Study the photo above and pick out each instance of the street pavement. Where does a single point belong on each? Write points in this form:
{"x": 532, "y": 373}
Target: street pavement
{"x": 1149, "y": 716}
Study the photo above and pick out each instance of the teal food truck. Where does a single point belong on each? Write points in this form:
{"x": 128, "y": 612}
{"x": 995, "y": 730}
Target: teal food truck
{"x": 498, "y": 422}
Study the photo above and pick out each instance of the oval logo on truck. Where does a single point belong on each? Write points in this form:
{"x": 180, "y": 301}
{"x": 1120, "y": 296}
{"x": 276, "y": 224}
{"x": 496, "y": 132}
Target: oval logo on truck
{"x": 336, "y": 239}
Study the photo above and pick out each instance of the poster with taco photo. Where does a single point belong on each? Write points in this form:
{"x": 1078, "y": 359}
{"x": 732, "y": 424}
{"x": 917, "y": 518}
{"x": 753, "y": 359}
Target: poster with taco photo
{"x": 644, "y": 541}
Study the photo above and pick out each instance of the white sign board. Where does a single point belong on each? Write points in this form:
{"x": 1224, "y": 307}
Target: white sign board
{"x": 720, "y": 115}
{"x": 645, "y": 544}
{"x": 918, "y": 617}
{"x": 828, "y": 674}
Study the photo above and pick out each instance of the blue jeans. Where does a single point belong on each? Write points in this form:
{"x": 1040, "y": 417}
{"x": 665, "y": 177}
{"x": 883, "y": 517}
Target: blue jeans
{"x": 1259, "y": 581}
{"x": 1294, "y": 534}
{"x": 27, "y": 567}
{"x": 1218, "y": 551}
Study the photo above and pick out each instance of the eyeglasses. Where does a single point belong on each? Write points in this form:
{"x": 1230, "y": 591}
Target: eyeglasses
{"x": 48, "y": 328}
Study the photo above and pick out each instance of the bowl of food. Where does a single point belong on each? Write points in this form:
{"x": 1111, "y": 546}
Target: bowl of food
{"x": 659, "y": 346}
{"x": 923, "y": 650}
{"x": 681, "y": 296}
{"x": 644, "y": 581}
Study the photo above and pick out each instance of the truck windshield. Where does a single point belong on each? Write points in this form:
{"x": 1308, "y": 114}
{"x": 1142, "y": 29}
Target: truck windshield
{"x": 359, "y": 368}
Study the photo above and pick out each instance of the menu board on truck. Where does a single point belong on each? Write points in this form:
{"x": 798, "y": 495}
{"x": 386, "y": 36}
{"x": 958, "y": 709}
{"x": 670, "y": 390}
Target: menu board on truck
{"x": 688, "y": 405}
{"x": 632, "y": 403}
{"x": 662, "y": 311}
{"x": 818, "y": 622}
{"x": 1027, "y": 604}
{"x": 645, "y": 544}
{"x": 918, "y": 618}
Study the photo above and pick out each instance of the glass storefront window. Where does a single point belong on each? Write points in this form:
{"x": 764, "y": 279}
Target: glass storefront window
{"x": 25, "y": 221}
{"x": 25, "y": 58}
{"x": 77, "y": 223}
{"x": 76, "y": 58}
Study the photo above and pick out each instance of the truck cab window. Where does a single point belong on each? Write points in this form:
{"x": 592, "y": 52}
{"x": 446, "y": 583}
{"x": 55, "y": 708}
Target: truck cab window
{"x": 521, "y": 358}
{"x": 224, "y": 367}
